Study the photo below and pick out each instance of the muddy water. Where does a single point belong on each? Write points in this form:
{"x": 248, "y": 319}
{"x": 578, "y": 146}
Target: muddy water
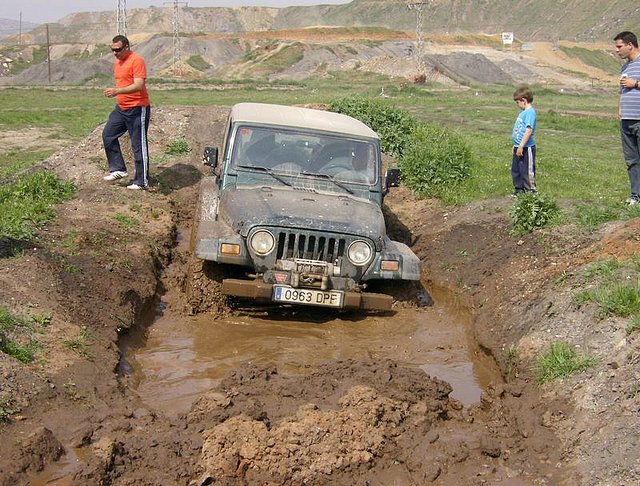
{"x": 181, "y": 358}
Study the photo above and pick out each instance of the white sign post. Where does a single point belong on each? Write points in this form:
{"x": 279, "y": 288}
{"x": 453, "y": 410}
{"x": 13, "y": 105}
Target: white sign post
{"x": 507, "y": 39}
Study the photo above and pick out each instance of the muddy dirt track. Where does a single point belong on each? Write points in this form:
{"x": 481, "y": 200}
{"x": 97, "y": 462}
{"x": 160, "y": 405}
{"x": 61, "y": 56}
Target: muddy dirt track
{"x": 114, "y": 258}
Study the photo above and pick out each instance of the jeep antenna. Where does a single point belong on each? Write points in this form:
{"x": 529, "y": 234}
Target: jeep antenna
{"x": 419, "y": 7}
{"x": 176, "y": 35}
{"x": 121, "y": 17}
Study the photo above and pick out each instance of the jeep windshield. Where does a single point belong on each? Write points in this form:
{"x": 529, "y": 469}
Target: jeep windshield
{"x": 307, "y": 158}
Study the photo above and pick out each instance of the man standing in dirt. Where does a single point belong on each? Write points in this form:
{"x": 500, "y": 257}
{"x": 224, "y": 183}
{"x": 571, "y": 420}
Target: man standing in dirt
{"x": 131, "y": 114}
{"x": 629, "y": 108}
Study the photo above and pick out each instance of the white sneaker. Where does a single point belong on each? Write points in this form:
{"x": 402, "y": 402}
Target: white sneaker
{"x": 114, "y": 176}
{"x": 135, "y": 187}
{"x": 633, "y": 200}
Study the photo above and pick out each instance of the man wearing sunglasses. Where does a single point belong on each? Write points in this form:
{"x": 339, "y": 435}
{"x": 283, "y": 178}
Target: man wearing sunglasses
{"x": 131, "y": 114}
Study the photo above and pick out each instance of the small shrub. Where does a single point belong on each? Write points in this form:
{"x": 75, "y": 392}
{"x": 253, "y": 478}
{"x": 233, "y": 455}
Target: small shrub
{"x": 532, "y": 211}
{"x": 23, "y": 353}
{"x": 179, "y": 146}
{"x": 434, "y": 160}
{"x": 560, "y": 361}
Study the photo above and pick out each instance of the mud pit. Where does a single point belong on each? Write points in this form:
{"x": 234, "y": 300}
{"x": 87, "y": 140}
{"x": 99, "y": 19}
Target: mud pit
{"x": 369, "y": 413}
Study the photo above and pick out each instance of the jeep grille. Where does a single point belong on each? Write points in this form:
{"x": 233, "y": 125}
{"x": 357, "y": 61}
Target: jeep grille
{"x": 310, "y": 246}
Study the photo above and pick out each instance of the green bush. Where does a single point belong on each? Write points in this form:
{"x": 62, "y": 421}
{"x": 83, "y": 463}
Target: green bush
{"x": 531, "y": 211}
{"x": 178, "y": 146}
{"x": 391, "y": 124}
{"x": 434, "y": 160}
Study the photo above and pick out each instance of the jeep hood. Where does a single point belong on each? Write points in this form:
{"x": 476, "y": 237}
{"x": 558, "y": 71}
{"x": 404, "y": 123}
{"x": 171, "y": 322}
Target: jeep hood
{"x": 245, "y": 208}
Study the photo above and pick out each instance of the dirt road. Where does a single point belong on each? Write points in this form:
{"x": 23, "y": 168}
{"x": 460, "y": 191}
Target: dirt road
{"x": 113, "y": 261}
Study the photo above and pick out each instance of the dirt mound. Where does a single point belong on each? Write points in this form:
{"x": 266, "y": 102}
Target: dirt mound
{"x": 469, "y": 67}
{"x": 68, "y": 71}
{"x": 368, "y": 422}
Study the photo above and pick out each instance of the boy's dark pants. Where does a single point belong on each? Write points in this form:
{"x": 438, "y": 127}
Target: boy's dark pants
{"x": 135, "y": 121}
{"x": 523, "y": 170}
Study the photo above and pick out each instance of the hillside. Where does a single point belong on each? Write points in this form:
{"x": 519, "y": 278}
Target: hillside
{"x": 462, "y": 42}
{"x": 532, "y": 20}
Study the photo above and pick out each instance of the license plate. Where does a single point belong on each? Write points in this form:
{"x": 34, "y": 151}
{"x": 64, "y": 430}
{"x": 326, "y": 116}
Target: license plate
{"x": 326, "y": 298}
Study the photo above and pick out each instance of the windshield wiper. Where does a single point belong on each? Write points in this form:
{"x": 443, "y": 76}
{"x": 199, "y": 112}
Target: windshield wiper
{"x": 329, "y": 178}
{"x": 266, "y": 170}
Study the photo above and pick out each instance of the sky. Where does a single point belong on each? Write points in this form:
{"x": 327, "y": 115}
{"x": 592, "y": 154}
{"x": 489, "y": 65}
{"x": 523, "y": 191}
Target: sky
{"x": 42, "y": 11}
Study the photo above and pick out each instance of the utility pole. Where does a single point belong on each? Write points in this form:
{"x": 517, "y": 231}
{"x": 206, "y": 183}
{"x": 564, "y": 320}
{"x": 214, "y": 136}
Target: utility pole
{"x": 20, "y": 31}
{"x": 419, "y": 7}
{"x": 48, "y": 54}
{"x": 121, "y": 18}
{"x": 176, "y": 35}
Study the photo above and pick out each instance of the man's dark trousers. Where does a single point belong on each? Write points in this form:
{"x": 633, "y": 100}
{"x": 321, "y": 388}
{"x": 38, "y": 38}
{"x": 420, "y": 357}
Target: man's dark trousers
{"x": 135, "y": 121}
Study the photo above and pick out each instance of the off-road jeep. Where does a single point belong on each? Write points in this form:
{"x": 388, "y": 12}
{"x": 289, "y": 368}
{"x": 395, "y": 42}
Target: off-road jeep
{"x": 296, "y": 201}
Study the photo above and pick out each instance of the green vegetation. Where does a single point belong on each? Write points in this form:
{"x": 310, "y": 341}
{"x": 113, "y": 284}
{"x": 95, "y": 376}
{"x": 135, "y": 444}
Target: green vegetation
{"x": 16, "y": 336}
{"x": 621, "y": 299}
{"x": 9, "y": 322}
{"x": 512, "y": 361}
{"x": 392, "y": 124}
{"x": 435, "y": 161}
{"x": 27, "y": 204}
{"x": 284, "y": 58}
{"x": 79, "y": 343}
{"x": 198, "y": 62}
{"x": 594, "y": 57}
{"x": 532, "y": 211}
{"x": 15, "y": 160}
{"x": 178, "y": 146}
{"x": 616, "y": 290}
{"x": 560, "y": 361}
{"x": 127, "y": 222}
{"x": 23, "y": 58}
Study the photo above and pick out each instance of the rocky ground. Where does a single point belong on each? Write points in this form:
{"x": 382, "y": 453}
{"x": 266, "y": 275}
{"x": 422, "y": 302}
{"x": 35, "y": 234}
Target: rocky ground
{"x": 96, "y": 274}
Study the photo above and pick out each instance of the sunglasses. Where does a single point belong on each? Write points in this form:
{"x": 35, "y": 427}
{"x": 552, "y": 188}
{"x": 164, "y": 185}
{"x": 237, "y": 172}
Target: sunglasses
{"x": 117, "y": 49}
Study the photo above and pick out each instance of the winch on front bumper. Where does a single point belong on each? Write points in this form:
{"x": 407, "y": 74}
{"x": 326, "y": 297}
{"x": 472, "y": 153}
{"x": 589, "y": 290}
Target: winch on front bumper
{"x": 307, "y": 282}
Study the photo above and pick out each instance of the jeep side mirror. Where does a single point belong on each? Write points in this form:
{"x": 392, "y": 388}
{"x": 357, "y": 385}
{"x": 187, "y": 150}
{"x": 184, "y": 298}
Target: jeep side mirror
{"x": 392, "y": 178}
{"x": 210, "y": 156}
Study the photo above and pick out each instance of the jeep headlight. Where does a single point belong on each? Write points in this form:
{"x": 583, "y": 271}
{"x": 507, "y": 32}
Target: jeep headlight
{"x": 262, "y": 242}
{"x": 359, "y": 253}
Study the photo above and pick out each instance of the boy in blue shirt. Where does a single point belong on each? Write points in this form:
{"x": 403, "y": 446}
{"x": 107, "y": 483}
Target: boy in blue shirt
{"x": 523, "y": 163}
